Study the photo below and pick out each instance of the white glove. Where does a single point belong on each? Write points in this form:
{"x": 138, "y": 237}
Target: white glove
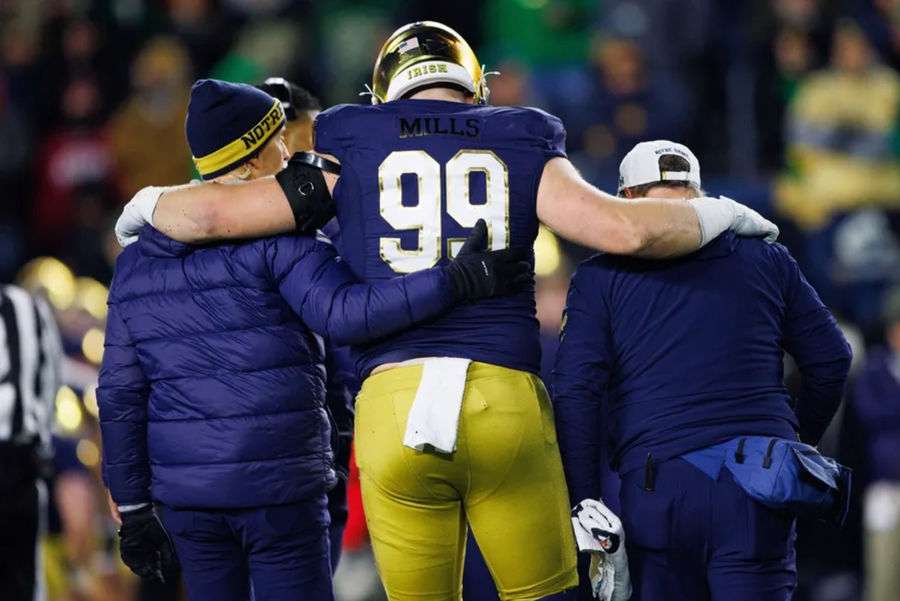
{"x": 719, "y": 214}
{"x": 137, "y": 212}
{"x": 599, "y": 531}
{"x": 749, "y": 223}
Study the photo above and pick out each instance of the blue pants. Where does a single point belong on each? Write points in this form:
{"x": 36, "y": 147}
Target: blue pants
{"x": 283, "y": 550}
{"x": 695, "y": 538}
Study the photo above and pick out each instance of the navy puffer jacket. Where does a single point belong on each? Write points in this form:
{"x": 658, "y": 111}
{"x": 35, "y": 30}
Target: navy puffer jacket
{"x": 212, "y": 388}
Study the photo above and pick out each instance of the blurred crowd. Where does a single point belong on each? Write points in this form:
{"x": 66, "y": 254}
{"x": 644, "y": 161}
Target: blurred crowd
{"x": 792, "y": 106}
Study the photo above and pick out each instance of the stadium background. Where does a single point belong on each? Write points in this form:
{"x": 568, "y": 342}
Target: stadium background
{"x": 790, "y": 105}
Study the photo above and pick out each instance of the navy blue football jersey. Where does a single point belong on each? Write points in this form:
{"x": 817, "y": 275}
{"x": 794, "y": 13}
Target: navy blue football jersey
{"x": 416, "y": 176}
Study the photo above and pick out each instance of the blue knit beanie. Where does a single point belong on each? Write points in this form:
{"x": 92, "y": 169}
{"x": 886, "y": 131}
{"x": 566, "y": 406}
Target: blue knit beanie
{"x": 227, "y": 124}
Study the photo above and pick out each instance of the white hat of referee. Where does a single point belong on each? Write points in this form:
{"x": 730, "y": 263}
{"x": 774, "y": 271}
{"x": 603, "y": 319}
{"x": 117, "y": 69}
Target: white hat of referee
{"x": 641, "y": 165}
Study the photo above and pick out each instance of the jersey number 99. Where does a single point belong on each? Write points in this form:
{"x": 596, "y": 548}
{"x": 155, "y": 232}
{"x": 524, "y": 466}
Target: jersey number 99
{"x": 426, "y": 215}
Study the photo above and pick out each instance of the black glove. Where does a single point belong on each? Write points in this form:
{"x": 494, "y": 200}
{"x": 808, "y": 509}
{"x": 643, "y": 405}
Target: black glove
{"x": 145, "y": 545}
{"x": 478, "y": 273}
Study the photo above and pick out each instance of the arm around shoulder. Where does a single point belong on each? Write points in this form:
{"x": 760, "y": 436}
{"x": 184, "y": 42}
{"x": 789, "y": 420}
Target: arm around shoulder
{"x": 331, "y": 301}
{"x": 211, "y": 211}
{"x": 578, "y": 211}
{"x": 326, "y": 294}
{"x": 654, "y": 228}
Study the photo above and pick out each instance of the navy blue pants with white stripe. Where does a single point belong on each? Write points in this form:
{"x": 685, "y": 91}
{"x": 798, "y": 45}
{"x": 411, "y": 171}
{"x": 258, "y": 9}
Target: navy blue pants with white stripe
{"x": 695, "y": 538}
{"x": 282, "y": 551}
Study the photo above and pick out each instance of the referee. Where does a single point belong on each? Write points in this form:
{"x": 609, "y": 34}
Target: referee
{"x": 30, "y": 359}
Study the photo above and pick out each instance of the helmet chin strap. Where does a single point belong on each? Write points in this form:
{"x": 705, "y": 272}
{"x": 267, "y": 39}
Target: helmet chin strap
{"x": 482, "y": 84}
{"x": 376, "y": 99}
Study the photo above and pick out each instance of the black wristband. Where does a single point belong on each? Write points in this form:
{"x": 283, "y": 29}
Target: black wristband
{"x": 306, "y": 191}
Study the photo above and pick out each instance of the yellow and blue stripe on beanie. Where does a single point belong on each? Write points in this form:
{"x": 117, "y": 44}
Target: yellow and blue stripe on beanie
{"x": 228, "y": 123}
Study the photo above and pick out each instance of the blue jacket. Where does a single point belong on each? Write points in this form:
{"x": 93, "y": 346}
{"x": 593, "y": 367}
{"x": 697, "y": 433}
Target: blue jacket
{"x": 212, "y": 388}
{"x": 688, "y": 353}
{"x": 877, "y": 406}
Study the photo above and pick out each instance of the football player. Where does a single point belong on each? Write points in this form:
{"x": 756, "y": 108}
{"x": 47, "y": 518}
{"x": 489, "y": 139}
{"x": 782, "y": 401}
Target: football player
{"x": 453, "y": 425}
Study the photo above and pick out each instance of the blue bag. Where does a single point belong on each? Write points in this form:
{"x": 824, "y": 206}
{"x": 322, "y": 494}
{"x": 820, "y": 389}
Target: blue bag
{"x": 790, "y": 476}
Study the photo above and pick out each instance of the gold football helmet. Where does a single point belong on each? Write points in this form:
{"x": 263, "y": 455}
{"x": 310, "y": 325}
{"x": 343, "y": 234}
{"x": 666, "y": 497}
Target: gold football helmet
{"x": 422, "y": 54}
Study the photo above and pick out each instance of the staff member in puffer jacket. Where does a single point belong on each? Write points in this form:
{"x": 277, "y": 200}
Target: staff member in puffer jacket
{"x": 212, "y": 386}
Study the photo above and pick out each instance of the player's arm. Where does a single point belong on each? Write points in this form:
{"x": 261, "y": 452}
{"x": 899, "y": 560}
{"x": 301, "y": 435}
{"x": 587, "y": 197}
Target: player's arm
{"x": 208, "y": 212}
{"x": 297, "y": 198}
{"x": 654, "y": 228}
{"x": 578, "y": 386}
{"x": 813, "y": 338}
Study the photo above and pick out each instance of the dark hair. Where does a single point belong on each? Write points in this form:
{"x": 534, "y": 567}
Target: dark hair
{"x": 293, "y": 98}
{"x": 303, "y": 99}
{"x": 667, "y": 162}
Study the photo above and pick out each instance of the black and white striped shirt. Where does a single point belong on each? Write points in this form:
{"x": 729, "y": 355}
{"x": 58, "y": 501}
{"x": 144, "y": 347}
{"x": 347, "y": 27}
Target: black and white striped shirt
{"x": 30, "y": 364}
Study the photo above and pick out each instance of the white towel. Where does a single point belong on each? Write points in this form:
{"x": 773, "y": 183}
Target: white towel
{"x": 596, "y": 527}
{"x": 603, "y": 577}
{"x": 434, "y": 416}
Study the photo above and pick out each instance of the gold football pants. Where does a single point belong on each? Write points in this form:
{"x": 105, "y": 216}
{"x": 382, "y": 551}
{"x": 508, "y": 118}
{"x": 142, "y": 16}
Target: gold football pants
{"x": 505, "y": 478}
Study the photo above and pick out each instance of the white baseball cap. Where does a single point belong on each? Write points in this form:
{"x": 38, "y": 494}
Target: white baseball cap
{"x": 641, "y": 165}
